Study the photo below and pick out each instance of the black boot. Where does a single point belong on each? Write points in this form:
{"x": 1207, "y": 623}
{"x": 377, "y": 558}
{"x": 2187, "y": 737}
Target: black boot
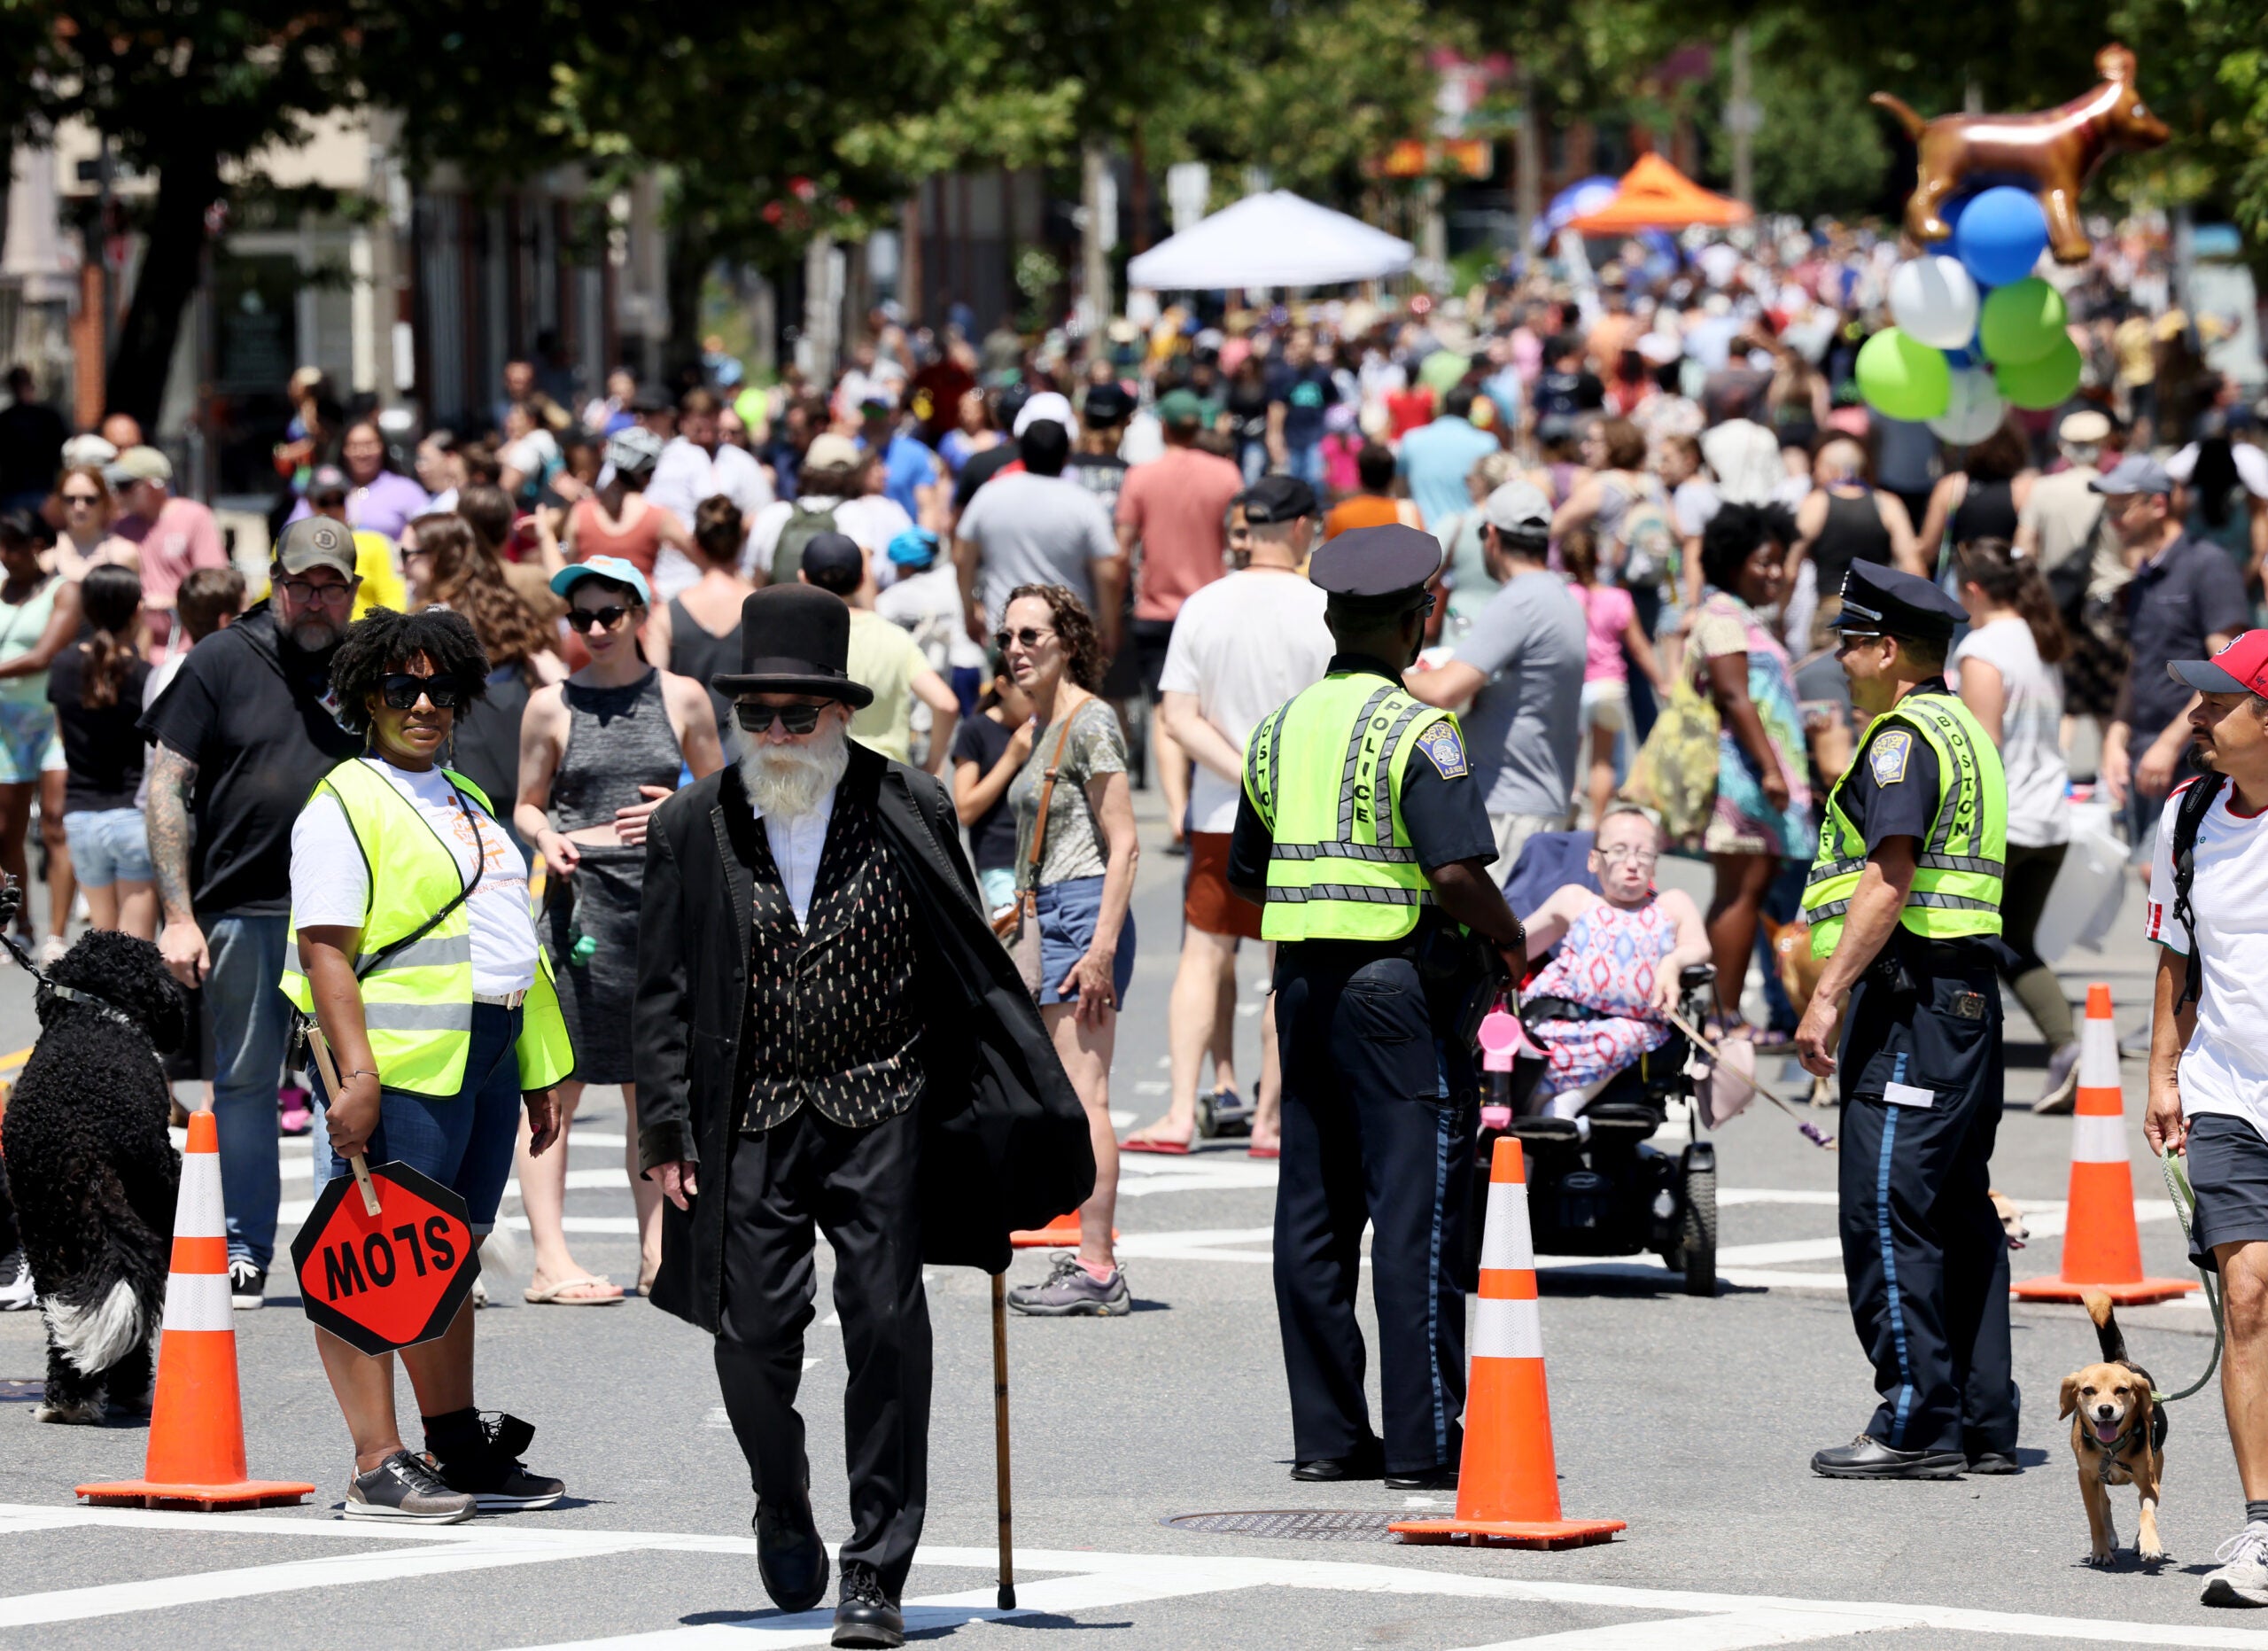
{"x": 866, "y": 1616}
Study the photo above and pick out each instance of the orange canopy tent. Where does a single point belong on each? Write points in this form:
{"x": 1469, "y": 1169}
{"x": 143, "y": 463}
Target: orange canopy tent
{"x": 1655, "y": 195}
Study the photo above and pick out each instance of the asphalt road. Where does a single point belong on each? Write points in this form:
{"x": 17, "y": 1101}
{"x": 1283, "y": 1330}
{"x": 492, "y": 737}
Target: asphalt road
{"x": 1691, "y": 1418}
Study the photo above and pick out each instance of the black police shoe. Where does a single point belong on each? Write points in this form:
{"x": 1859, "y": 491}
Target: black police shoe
{"x": 1993, "y": 1462}
{"x": 1867, "y": 1457}
{"x": 1368, "y": 1462}
{"x": 865, "y": 1614}
{"x": 1439, "y": 1477}
{"x": 479, "y": 1454}
{"x": 789, "y": 1555}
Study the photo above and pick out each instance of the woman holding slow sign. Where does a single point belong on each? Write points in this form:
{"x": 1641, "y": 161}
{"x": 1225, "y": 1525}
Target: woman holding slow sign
{"x": 416, "y": 955}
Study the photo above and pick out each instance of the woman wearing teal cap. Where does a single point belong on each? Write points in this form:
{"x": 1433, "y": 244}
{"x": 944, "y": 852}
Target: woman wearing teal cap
{"x": 597, "y": 752}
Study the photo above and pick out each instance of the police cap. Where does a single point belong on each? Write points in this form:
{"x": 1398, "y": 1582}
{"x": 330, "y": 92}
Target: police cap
{"x": 1277, "y": 499}
{"x": 1888, "y": 603}
{"x": 1373, "y": 563}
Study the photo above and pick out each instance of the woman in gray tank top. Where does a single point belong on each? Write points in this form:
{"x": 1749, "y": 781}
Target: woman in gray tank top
{"x": 598, "y": 752}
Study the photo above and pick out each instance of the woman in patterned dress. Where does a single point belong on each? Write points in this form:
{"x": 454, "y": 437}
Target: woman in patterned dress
{"x": 1620, "y": 952}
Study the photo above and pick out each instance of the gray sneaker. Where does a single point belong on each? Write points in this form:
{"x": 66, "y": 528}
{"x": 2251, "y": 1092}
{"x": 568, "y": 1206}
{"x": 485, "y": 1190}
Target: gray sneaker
{"x": 2242, "y": 1578}
{"x": 2063, "y": 1086}
{"x": 1069, "y": 1290}
{"x": 406, "y": 1487}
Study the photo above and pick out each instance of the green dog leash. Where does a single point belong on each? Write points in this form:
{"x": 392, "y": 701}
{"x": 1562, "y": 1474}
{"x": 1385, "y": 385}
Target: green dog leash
{"x": 2184, "y": 1205}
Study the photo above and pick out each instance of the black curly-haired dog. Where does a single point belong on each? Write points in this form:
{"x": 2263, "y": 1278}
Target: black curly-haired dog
{"x": 93, "y": 1172}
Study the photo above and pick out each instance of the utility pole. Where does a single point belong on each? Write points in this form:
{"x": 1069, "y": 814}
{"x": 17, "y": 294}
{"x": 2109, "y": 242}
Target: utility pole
{"x": 1527, "y": 200}
{"x": 1742, "y": 118}
{"x": 1099, "y": 199}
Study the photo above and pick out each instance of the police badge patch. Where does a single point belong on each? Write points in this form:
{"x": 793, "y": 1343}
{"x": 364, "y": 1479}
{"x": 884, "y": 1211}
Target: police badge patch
{"x": 1889, "y": 754}
{"x": 1443, "y": 749}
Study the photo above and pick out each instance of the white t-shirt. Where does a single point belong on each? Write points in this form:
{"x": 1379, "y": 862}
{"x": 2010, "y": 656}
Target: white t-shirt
{"x": 2225, "y": 1069}
{"x": 2032, "y": 725}
{"x": 1243, "y": 644}
{"x": 331, "y": 880}
{"x": 870, "y": 522}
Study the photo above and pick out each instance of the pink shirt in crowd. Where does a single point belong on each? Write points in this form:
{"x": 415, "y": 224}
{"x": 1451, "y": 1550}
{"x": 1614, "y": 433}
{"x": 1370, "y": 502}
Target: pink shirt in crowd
{"x": 183, "y": 539}
{"x": 1178, "y": 506}
{"x": 1607, "y": 613}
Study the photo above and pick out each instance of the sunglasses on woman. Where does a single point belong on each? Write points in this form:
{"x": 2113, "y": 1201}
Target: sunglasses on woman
{"x": 604, "y": 619}
{"x": 402, "y": 691}
{"x": 89, "y": 499}
{"x": 795, "y": 719}
{"x": 1030, "y": 636}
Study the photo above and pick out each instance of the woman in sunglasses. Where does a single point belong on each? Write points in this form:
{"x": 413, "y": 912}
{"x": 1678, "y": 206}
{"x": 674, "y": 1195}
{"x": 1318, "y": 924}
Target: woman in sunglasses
{"x": 597, "y": 752}
{"x": 416, "y": 954}
{"x": 86, "y": 542}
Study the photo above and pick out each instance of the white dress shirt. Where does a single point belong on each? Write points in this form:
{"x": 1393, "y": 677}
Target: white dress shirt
{"x": 796, "y": 845}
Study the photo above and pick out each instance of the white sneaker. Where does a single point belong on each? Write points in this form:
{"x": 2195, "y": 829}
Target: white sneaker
{"x": 16, "y": 1292}
{"x": 51, "y": 951}
{"x": 2242, "y": 1578}
{"x": 247, "y": 1285}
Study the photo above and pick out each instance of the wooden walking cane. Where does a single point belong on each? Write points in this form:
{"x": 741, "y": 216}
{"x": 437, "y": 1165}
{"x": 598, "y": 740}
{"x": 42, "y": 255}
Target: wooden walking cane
{"x": 1008, "y": 1596}
{"x": 360, "y": 1165}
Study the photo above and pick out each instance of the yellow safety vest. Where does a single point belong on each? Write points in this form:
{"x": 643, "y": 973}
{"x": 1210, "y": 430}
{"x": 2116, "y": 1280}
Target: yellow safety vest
{"x": 1325, "y": 774}
{"x": 418, "y": 1007}
{"x": 1958, "y": 876}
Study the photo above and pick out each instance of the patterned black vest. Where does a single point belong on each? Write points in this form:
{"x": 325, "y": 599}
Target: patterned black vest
{"x": 831, "y": 1015}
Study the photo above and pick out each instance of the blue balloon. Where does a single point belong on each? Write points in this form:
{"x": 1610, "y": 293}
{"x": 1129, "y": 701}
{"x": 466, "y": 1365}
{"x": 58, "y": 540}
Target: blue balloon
{"x": 1958, "y": 359}
{"x": 2000, "y": 235}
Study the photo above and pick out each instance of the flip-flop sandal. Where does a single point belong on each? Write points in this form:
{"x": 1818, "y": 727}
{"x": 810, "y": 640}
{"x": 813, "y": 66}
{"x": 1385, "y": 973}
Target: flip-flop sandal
{"x": 1174, "y": 1149}
{"x": 555, "y": 1295}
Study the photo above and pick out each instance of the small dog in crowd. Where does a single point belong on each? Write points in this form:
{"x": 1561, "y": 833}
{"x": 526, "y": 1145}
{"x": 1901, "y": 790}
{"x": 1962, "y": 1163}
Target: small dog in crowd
{"x": 2118, "y": 1435}
{"x": 93, "y": 1172}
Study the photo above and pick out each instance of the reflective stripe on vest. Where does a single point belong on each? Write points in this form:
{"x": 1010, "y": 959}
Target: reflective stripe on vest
{"x": 1958, "y": 873}
{"x": 1325, "y": 774}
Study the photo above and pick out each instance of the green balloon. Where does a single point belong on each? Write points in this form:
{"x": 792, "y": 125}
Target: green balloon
{"x": 1441, "y": 371}
{"x": 2021, "y": 321}
{"x": 2044, "y": 384}
{"x": 1903, "y": 378}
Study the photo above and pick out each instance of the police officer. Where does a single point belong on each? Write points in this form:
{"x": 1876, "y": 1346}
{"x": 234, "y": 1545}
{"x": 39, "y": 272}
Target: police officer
{"x": 1365, "y": 838}
{"x": 1904, "y": 901}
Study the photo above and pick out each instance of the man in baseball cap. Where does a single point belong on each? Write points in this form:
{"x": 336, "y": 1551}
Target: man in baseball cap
{"x": 2241, "y": 667}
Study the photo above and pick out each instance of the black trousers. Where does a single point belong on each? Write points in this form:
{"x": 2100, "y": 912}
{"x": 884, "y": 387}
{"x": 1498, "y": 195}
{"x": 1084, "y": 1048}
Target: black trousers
{"x": 1378, "y": 1128}
{"x": 1924, "y": 1255}
{"x": 858, "y": 1184}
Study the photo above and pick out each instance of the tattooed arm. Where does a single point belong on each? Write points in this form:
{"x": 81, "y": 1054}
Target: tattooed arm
{"x": 181, "y": 941}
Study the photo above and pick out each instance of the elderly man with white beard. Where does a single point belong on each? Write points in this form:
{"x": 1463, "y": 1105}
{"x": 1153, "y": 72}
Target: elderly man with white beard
{"x": 828, "y": 1032}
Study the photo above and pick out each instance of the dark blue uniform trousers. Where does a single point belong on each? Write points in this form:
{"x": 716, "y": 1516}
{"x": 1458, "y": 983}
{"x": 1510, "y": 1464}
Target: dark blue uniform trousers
{"x": 1377, "y": 1125}
{"x": 1925, "y": 1257}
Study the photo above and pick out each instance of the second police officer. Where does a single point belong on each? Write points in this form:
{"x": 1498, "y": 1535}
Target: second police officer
{"x": 1365, "y": 838}
{"x": 1904, "y": 901}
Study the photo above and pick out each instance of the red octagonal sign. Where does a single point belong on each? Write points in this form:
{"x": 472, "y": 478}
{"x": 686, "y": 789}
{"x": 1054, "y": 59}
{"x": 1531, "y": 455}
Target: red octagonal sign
{"x": 389, "y": 1280}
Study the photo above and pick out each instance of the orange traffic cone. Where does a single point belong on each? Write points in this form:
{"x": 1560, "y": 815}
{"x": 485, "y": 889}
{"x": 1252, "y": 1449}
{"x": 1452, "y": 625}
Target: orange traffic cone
{"x": 2102, "y": 1249}
{"x": 197, "y": 1430}
{"x": 1508, "y": 1486}
{"x": 1062, "y": 1231}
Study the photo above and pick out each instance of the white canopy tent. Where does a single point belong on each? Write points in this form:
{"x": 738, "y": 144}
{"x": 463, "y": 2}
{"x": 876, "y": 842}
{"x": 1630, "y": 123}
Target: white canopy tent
{"x": 1276, "y": 240}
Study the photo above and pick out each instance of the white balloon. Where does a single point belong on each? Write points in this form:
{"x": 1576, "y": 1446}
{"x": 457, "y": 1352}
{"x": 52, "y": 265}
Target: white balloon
{"x": 1934, "y": 299}
{"x": 1976, "y": 410}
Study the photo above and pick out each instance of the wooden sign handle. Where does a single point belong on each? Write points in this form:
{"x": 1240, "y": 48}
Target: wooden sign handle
{"x": 361, "y": 1165}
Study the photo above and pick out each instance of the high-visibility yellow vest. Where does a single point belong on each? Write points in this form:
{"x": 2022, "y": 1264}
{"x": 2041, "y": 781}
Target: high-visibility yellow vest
{"x": 1325, "y": 772}
{"x": 1959, "y": 872}
{"x": 417, "y": 1008}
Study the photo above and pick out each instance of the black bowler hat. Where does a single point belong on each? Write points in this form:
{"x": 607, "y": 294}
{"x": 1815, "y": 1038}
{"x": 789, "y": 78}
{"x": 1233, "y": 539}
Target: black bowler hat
{"x": 795, "y": 639}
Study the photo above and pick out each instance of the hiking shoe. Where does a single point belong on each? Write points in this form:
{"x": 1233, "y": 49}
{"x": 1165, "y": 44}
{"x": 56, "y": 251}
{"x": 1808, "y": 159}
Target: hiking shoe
{"x": 405, "y": 1487}
{"x": 1070, "y": 1290}
{"x": 492, "y": 1474}
{"x": 2242, "y": 1578}
{"x": 17, "y": 1294}
{"x": 2062, "y": 1083}
{"x": 247, "y": 1285}
{"x": 864, "y": 1615}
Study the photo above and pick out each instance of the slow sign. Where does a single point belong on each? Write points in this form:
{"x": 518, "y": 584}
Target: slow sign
{"x": 391, "y": 1280}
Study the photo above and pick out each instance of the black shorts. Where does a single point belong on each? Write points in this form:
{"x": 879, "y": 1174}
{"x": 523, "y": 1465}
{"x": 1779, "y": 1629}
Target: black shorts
{"x": 1151, "y": 637}
{"x": 2228, "y": 1170}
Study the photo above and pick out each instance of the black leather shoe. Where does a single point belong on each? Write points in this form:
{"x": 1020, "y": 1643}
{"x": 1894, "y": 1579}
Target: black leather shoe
{"x": 1367, "y": 1462}
{"x": 789, "y": 1556}
{"x": 1867, "y": 1457}
{"x": 863, "y": 1616}
{"x": 1441, "y": 1478}
{"x": 1993, "y": 1462}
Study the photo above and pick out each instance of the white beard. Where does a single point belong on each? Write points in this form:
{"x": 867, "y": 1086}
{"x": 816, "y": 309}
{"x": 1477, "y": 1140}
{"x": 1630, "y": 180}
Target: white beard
{"x": 789, "y": 781}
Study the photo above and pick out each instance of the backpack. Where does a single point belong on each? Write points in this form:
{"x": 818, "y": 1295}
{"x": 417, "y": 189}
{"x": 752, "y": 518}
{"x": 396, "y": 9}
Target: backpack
{"x": 801, "y": 527}
{"x": 1648, "y": 540}
{"x": 2194, "y": 803}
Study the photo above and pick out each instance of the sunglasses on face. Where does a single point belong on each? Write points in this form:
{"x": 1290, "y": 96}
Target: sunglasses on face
{"x": 795, "y": 719}
{"x": 82, "y": 498}
{"x": 604, "y": 619}
{"x": 1030, "y": 636}
{"x": 402, "y": 691}
{"x": 1852, "y": 639}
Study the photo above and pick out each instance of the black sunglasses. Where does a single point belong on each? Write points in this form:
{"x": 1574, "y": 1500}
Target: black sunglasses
{"x": 402, "y": 691}
{"x": 795, "y": 719}
{"x": 584, "y": 618}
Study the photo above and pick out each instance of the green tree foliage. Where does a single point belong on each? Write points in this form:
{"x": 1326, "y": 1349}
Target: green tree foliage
{"x": 1820, "y": 147}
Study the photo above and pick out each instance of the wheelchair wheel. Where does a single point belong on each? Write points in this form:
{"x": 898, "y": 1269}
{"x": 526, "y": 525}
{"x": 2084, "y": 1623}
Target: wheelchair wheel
{"x": 1697, "y": 1241}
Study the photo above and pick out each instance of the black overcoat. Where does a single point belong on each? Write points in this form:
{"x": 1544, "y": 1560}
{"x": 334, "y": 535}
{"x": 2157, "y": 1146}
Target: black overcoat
{"x": 1004, "y": 1138}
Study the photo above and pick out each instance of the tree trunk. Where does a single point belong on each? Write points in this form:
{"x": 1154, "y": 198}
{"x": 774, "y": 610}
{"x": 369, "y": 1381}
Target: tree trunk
{"x": 172, "y": 264}
{"x": 689, "y": 257}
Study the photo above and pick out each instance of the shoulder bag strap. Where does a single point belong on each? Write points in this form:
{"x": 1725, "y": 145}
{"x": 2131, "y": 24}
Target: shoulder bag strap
{"x": 2196, "y": 802}
{"x": 377, "y": 958}
{"x": 1047, "y": 796}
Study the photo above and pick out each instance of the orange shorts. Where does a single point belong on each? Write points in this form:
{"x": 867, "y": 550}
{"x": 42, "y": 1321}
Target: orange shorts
{"x": 1207, "y": 904}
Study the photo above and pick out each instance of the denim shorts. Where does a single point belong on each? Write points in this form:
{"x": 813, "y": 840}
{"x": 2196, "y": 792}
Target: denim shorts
{"x": 108, "y": 846}
{"x": 26, "y": 728}
{"x": 1068, "y": 912}
{"x": 463, "y": 1142}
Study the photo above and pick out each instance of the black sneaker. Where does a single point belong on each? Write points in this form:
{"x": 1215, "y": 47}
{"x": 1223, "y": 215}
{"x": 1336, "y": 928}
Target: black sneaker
{"x": 494, "y": 1477}
{"x": 864, "y": 1615}
{"x": 405, "y": 1487}
{"x": 247, "y": 1285}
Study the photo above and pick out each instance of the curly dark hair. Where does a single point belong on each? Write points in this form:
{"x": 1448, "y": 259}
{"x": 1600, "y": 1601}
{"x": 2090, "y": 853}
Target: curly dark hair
{"x": 1083, "y": 657}
{"x": 1731, "y": 537}
{"x": 383, "y": 642}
